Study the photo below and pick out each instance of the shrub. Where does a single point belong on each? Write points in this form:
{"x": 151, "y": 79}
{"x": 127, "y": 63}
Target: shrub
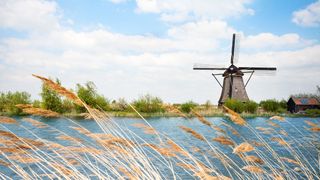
{"x": 148, "y": 104}
{"x": 313, "y": 112}
{"x": 270, "y": 105}
{"x": 89, "y": 95}
{"x": 251, "y": 107}
{"x": 235, "y": 105}
{"x": 186, "y": 107}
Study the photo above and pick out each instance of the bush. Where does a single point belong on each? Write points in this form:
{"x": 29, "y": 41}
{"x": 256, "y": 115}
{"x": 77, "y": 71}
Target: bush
{"x": 313, "y": 112}
{"x": 187, "y": 107}
{"x": 9, "y": 100}
{"x": 239, "y": 106}
{"x": 235, "y": 105}
{"x": 270, "y": 105}
{"x": 89, "y": 95}
{"x": 251, "y": 107}
{"x": 148, "y": 104}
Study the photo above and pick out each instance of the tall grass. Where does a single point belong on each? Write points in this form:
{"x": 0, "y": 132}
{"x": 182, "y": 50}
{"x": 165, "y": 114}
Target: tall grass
{"x": 119, "y": 153}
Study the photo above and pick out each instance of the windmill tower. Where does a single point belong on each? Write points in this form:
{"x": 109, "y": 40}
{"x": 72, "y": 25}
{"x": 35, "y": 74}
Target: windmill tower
{"x": 233, "y": 84}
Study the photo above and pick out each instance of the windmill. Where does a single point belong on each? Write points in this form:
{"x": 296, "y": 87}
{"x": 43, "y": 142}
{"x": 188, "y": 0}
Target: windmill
{"x": 233, "y": 84}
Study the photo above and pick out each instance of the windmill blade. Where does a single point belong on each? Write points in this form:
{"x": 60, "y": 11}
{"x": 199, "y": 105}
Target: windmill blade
{"x": 232, "y": 48}
{"x": 260, "y": 71}
{"x": 259, "y": 68}
{"x": 236, "y": 49}
{"x": 208, "y": 67}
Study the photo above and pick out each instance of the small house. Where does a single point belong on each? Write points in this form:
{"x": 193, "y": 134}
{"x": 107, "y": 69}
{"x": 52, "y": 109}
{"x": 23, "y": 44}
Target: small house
{"x": 295, "y": 104}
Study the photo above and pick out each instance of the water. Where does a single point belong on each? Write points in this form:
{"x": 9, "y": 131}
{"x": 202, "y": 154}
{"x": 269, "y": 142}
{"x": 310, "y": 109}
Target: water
{"x": 304, "y": 142}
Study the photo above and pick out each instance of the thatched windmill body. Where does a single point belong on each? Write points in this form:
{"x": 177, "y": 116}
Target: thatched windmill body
{"x": 233, "y": 84}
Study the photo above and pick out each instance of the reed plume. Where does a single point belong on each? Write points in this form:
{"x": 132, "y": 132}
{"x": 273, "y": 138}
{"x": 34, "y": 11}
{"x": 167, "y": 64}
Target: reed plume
{"x": 193, "y": 133}
{"x": 243, "y": 147}
{"x": 235, "y": 117}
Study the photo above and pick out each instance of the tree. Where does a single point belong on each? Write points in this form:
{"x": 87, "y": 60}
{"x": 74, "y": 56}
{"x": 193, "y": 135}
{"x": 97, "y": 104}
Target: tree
{"x": 51, "y": 99}
{"x": 90, "y": 96}
{"x": 188, "y": 106}
{"x": 9, "y": 100}
{"x": 148, "y": 104}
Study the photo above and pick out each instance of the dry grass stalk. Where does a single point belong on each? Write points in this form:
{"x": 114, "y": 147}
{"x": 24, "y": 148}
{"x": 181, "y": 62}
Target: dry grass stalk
{"x": 283, "y": 132}
{"x": 223, "y": 140}
{"x": 235, "y": 117}
{"x": 273, "y": 124}
{"x": 202, "y": 119}
{"x": 254, "y": 159}
{"x": 256, "y": 143}
{"x": 311, "y": 123}
{"x": 81, "y": 130}
{"x": 176, "y": 148}
{"x": 64, "y": 170}
{"x": 88, "y": 150}
{"x": 243, "y": 147}
{"x": 280, "y": 141}
{"x": 61, "y": 90}
{"x": 8, "y": 134}
{"x": 69, "y": 138}
{"x": 253, "y": 169}
{"x": 36, "y": 123}
{"x": 23, "y": 106}
{"x": 315, "y": 129}
{"x": 117, "y": 141}
{"x": 7, "y": 120}
{"x": 163, "y": 151}
{"x": 4, "y": 163}
{"x": 193, "y": 133}
{"x": 13, "y": 150}
{"x": 217, "y": 128}
{"x": 290, "y": 161}
{"x": 279, "y": 118}
{"x": 24, "y": 159}
{"x": 175, "y": 110}
{"x": 277, "y": 177}
{"x": 127, "y": 173}
{"x": 146, "y": 129}
{"x": 186, "y": 166}
{"x": 41, "y": 112}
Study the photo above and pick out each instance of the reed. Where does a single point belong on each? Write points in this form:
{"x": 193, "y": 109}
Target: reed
{"x": 119, "y": 153}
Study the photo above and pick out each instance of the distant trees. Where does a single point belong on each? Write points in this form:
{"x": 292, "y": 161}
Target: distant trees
{"x": 188, "y": 106}
{"x": 272, "y": 105}
{"x": 10, "y": 99}
{"x": 239, "y": 106}
{"x": 148, "y": 104}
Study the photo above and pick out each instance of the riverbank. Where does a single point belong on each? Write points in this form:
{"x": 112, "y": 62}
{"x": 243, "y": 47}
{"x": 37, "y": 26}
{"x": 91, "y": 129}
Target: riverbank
{"x": 169, "y": 114}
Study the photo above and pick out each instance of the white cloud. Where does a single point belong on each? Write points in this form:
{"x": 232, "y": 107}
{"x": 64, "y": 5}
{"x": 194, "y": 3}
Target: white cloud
{"x": 129, "y": 65}
{"x": 182, "y": 10}
{"x": 269, "y": 41}
{"x": 31, "y": 15}
{"x": 309, "y": 17}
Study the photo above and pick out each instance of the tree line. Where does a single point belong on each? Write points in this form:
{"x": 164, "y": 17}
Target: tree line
{"x": 146, "y": 103}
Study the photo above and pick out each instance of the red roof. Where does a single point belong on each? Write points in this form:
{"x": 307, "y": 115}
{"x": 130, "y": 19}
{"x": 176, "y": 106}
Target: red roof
{"x": 305, "y": 101}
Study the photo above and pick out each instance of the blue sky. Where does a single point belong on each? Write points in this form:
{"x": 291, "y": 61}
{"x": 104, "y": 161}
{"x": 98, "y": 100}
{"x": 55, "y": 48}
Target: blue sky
{"x": 132, "y": 47}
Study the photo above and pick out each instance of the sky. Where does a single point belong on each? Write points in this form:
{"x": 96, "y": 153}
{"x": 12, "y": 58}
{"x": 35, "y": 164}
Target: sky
{"x": 133, "y": 47}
